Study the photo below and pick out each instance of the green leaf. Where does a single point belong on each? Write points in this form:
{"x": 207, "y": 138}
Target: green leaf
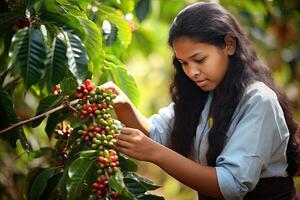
{"x": 113, "y": 16}
{"x": 134, "y": 186}
{"x": 112, "y": 36}
{"x": 127, "y": 6}
{"x": 126, "y": 164}
{"x": 92, "y": 40}
{"x": 7, "y": 17}
{"x": 33, "y": 6}
{"x": 104, "y": 77}
{"x": 82, "y": 4}
{"x": 7, "y": 104}
{"x": 46, "y": 104}
{"x": 77, "y": 172}
{"x": 62, "y": 185}
{"x": 4, "y": 58}
{"x": 24, "y": 142}
{"x": 38, "y": 153}
{"x": 126, "y": 195}
{"x": 50, "y": 191}
{"x": 87, "y": 153}
{"x": 149, "y": 185}
{"x": 40, "y": 183}
{"x": 77, "y": 57}
{"x": 7, "y": 117}
{"x": 57, "y": 63}
{"x": 59, "y": 16}
{"x": 142, "y": 9}
{"x": 31, "y": 175}
{"x": 7, "y": 20}
{"x": 2, "y": 45}
{"x": 28, "y": 54}
{"x": 124, "y": 80}
{"x": 117, "y": 184}
{"x": 68, "y": 86}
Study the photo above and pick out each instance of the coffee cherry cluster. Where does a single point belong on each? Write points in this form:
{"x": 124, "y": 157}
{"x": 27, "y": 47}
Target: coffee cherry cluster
{"x": 94, "y": 102}
{"x": 56, "y": 90}
{"x": 62, "y": 134}
{"x": 94, "y": 108}
{"x": 99, "y": 188}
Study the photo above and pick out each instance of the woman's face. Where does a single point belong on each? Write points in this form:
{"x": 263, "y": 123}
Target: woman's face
{"x": 203, "y": 63}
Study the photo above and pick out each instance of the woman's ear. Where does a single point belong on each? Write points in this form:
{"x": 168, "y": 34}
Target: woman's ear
{"x": 230, "y": 45}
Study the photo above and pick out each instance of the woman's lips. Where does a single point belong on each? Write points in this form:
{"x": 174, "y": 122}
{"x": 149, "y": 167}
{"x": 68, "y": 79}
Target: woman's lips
{"x": 201, "y": 83}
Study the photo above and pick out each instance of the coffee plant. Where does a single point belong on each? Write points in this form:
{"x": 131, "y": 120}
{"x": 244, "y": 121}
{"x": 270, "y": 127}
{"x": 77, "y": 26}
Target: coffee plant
{"x": 50, "y": 50}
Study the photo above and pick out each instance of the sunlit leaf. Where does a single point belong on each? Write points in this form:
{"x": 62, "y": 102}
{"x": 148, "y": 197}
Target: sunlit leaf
{"x": 38, "y": 153}
{"x": 124, "y": 31}
{"x": 77, "y": 57}
{"x": 82, "y": 4}
{"x": 92, "y": 40}
{"x": 124, "y": 80}
{"x": 87, "y": 153}
{"x": 127, "y": 6}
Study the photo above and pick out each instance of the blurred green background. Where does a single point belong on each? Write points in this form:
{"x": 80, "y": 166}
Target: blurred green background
{"x": 273, "y": 27}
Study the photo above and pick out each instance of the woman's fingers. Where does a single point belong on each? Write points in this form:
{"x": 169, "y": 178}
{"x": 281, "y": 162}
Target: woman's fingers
{"x": 125, "y": 135}
{"x": 110, "y": 86}
{"x": 121, "y": 97}
{"x": 129, "y": 131}
{"x": 134, "y": 144}
{"x": 122, "y": 143}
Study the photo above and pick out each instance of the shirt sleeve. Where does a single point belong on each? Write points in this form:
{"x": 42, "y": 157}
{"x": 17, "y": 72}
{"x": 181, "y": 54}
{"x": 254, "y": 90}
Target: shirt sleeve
{"x": 260, "y": 132}
{"x": 161, "y": 124}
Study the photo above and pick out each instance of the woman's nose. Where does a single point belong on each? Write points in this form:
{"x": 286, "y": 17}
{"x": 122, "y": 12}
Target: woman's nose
{"x": 193, "y": 71}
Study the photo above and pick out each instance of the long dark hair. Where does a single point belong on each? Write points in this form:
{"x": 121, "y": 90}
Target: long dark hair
{"x": 210, "y": 23}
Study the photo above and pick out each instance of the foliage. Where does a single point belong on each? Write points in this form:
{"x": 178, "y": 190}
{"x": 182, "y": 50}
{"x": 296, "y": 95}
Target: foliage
{"x": 273, "y": 27}
{"x": 47, "y": 49}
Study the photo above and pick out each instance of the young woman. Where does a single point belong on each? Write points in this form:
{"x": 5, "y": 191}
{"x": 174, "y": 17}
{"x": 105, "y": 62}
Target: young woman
{"x": 229, "y": 132}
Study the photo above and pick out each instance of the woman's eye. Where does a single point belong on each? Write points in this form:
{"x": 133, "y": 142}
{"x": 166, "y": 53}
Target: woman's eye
{"x": 200, "y": 61}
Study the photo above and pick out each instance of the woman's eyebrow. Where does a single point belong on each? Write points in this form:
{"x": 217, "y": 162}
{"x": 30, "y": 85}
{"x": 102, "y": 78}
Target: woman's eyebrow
{"x": 196, "y": 54}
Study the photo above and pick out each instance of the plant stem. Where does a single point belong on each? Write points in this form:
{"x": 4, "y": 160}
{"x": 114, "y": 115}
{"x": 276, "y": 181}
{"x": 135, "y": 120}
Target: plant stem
{"x": 45, "y": 114}
{"x": 109, "y": 189}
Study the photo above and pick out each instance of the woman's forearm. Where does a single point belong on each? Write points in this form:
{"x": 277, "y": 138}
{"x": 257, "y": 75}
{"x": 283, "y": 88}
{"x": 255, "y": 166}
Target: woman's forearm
{"x": 199, "y": 177}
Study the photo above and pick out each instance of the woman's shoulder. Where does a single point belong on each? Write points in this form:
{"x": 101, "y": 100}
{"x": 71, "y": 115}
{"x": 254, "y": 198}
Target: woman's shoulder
{"x": 259, "y": 91}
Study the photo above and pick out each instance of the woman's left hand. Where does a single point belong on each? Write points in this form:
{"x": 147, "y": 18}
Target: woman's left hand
{"x": 136, "y": 144}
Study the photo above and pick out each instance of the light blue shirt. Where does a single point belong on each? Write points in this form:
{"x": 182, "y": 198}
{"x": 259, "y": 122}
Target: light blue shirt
{"x": 255, "y": 146}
